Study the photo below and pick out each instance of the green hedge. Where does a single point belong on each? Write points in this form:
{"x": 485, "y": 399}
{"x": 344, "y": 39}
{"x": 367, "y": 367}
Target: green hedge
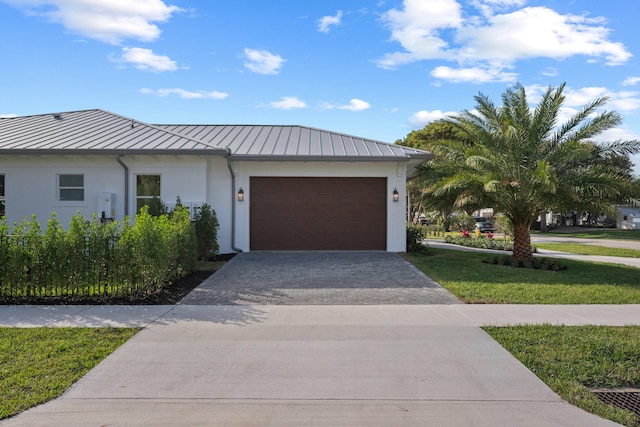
{"x": 93, "y": 259}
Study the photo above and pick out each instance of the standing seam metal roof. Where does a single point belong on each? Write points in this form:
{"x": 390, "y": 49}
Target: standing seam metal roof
{"x": 101, "y": 131}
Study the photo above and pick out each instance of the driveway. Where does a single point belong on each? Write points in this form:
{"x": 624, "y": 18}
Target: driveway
{"x": 318, "y": 278}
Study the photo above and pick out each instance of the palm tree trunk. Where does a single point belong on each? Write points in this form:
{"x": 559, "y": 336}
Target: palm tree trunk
{"x": 522, "y": 242}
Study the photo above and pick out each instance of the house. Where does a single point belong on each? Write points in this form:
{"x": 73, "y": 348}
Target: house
{"x": 272, "y": 187}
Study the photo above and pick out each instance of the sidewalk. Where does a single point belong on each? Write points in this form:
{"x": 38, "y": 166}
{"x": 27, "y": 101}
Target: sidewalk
{"x": 388, "y": 365}
{"x": 140, "y": 316}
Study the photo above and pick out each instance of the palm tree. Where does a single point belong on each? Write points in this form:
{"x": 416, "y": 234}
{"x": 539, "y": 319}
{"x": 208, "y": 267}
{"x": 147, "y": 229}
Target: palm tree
{"x": 524, "y": 163}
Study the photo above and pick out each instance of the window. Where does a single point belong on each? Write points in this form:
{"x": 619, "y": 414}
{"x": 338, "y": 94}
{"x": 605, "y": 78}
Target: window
{"x": 71, "y": 188}
{"x": 147, "y": 187}
{"x": 1, "y": 195}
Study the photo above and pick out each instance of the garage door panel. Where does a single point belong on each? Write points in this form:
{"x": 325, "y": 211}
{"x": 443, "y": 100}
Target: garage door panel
{"x": 318, "y": 213}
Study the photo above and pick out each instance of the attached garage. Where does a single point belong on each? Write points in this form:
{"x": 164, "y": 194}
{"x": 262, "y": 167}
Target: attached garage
{"x": 318, "y": 213}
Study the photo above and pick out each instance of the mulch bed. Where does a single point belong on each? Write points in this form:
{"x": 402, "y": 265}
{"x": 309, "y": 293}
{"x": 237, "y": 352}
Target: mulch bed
{"x": 168, "y": 295}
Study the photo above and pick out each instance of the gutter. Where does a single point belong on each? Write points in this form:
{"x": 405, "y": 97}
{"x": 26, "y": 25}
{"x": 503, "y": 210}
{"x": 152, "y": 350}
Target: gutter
{"x": 233, "y": 201}
{"x": 126, "y": 184}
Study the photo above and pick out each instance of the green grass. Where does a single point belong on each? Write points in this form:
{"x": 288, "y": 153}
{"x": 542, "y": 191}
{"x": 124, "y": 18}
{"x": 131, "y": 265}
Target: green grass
{"x": 572, "y": 360}
{"x": 605, "y": 233}
{"x": 39, "y": 364}
{"x": 471, "y": 280}
{"x": 582, "y": 249}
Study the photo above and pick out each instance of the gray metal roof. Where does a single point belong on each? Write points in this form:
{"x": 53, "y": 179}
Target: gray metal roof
{"x": 261, "y": 142}
{"x": 99, "y": 131}
{"x": 90, "y": 131}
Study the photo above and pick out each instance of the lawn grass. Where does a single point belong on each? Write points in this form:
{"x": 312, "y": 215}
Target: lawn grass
{"x": 600, "y": 233}
{"x": 578, "y": 248}
{"x": 466, "y": 276}
{"x": 39, "y": 364}
{"x": 574, "y": 359}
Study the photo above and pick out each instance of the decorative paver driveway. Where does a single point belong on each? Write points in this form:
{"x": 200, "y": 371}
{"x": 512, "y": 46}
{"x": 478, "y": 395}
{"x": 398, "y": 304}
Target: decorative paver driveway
{"x": 318, "y": 278}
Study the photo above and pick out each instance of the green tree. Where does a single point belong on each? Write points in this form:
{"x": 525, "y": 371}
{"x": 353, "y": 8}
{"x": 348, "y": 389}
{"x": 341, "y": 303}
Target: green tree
{"x": 523, "y": 163}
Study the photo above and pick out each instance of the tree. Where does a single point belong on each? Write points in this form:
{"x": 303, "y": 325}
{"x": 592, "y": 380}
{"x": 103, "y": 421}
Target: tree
{"x": 420, "y": 186}
{"x": 522, "y": 163}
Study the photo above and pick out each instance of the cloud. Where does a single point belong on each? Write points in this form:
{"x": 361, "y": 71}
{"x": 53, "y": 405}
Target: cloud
{"x": 288, "y": 103}
{"x": 422, "y": 118}
{"x": 185, "y": 94}
{"x": 441, "y": 30}
{"x": 326, "y": 22}
{"x": 631, "y": 81}
{"x": 145, "y": 59}
{"x": 105, "y": 20}
{"x": 262, "y": 61}
{"x": 473, "y": 75}
{"x": 8, "y": 116}
{"x": 353, "y": 105}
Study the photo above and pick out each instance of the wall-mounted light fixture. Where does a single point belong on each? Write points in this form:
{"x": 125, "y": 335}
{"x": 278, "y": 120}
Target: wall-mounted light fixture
{"x": 240, "y": 195}
{"x": 396, "y": 195}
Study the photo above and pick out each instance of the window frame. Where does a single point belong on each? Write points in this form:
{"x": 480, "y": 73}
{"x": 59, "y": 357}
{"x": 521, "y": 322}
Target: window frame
{"x": 60, "y": 188}
{"x": 3, "y": 200}
{"x": 138, "y": 197}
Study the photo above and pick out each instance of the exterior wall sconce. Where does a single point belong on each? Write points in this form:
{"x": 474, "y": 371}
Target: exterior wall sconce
{"x": 396, "y": 195}
{"x": 240, "y": 195}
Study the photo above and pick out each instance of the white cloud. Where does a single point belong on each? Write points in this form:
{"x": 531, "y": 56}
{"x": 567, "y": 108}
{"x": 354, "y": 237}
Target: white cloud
{"x": 110, "y": 21}
{"x": 439, "y": 30}
{"x": 145, "y": 59}
{"x": 473, "y": 75}
{"x": 353, "y": 105}
{"x": 422, "y": 118}
{"x": 288, "y": 103}
{"x": 8, "y": 116}
{"x": 185, "y": 94}
{"x": 262, "y": 61}
{"x": 631, "y": 81}
{"x": 326, "y": 22}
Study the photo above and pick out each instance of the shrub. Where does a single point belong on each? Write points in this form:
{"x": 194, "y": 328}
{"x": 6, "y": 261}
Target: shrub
{"x": 94, "y": 259}
{"x": 536, "y": 264}
{"x": 207, "y": 232}
{"x": 414, "y": 239}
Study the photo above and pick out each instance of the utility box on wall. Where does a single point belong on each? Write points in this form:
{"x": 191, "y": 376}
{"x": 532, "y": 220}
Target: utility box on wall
{"x": 106, "y": 205}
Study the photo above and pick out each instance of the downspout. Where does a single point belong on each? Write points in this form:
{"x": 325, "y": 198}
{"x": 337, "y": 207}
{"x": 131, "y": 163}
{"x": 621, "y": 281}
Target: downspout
{"x": 233, "y": 201}
{"x": 126, "y": 184}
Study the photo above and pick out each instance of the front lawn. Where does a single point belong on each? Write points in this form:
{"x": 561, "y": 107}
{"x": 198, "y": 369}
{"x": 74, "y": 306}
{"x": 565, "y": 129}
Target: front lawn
{"x": 39, "y": 364}
{"x": 466, "y": 276}
{"x": 572, "y": 360}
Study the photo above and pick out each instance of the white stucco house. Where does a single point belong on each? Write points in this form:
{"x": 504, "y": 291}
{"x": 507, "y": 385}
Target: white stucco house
{"x": 272, "y": 187}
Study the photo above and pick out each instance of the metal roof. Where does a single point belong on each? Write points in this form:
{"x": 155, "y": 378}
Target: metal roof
{"x": 98, "y": 131}
{"x": 262, "y": 142}
{"x": 90, "y": 131}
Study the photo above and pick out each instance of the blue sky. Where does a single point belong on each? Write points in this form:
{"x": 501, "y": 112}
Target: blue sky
{"x": 376, "y": 69}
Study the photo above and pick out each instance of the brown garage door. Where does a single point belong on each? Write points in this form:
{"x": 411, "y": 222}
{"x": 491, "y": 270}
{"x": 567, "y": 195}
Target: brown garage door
{"x": 318, "y": 213}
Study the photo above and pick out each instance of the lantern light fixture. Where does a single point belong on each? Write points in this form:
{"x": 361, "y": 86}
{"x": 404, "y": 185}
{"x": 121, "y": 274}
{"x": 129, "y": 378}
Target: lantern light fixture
{"x": 240, "y": 195}
{"x": 396, "y": 195}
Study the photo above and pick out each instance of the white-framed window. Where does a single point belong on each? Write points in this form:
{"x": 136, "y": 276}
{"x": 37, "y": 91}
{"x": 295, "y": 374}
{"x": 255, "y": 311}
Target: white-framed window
{"x": 147, "y": 187}
{"x": 71, "y": 187}
{"x": 2, "y": 201}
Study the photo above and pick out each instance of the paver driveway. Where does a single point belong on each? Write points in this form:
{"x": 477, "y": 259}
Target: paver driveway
{"x": 318, "y": 278}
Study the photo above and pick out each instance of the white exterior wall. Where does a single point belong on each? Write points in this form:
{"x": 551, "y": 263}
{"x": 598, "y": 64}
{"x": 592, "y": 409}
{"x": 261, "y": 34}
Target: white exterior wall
{"x": 395, "y": 172}
{"x": 31, "y": 187}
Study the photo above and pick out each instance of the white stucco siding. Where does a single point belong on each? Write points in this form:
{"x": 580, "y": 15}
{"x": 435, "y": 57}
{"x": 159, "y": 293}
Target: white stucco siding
{"x": 395, "y": 172}
{"x": 31, "y": 185}
{"x": 180, "y": 176}
{"x": 219, "y": 197}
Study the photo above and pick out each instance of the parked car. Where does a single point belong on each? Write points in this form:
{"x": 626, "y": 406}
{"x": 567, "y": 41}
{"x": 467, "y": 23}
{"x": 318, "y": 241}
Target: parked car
{"x": 485, "y": 225}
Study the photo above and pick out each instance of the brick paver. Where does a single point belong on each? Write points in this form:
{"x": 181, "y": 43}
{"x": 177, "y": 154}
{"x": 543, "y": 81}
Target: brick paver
{"x": 319, "y": 278}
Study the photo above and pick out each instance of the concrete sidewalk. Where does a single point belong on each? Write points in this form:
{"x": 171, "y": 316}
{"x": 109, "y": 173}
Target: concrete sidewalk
{"x": 310, "y": 365}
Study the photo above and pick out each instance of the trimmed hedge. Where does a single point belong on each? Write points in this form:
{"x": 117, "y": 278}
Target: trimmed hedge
{"x": 93, "y": 259}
